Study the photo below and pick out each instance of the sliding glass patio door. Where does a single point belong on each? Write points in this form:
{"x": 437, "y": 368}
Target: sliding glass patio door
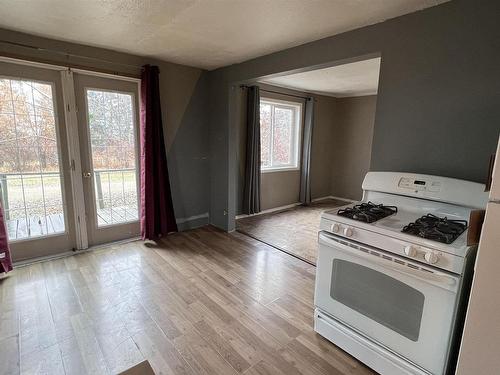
{"x": 108, "y": 121}
{"x": 34, "y": 162}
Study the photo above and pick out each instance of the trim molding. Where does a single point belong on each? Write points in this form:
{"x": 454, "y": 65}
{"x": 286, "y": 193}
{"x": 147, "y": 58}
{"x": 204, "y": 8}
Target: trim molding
{"x": 183, "y": 220}
{"x": 73, "y": 145}
{"x": 269, "y": 210}
{"x": 47, "y": 65}
{"x": 333, "y": 197}
{"x": 282, "y": 208}
{"x": 69, "y": 253}
{"x": 192, "y": 222}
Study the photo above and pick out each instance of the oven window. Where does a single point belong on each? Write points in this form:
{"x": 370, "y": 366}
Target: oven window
{"x": 377, "y": 296}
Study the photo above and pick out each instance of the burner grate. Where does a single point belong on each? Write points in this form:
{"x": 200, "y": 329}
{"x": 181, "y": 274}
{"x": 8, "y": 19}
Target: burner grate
{"x": 436, "y": 228}
{"x": 368, "y": 212}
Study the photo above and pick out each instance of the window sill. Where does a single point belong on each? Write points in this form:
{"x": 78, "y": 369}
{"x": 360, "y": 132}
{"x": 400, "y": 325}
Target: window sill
{"x": 285, "y": 169}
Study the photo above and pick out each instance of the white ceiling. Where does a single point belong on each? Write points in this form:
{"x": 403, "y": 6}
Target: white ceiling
{"x": 202, "y": 33}
{"x": 354, "y": 79}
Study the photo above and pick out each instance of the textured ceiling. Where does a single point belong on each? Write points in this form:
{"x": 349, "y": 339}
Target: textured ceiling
{"x": 353, "y": 79}
{"x": 202, "y": 33}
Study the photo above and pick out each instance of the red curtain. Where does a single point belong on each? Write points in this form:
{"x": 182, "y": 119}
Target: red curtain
{"x": 157, "y": 212}
{"x": 5, "y": 260}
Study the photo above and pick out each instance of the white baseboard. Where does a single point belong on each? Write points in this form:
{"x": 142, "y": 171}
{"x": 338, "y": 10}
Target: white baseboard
{"x": 281, "y": 208}
{"x": 192, "y": 222}
{"x": 333, "y": 197}
{"x": 183, "y": 220}
{"x": 320, "y": 198}
{"x": 270, "y": 210}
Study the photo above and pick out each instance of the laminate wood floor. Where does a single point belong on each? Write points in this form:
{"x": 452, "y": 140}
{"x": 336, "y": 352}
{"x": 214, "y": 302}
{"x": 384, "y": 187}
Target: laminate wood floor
{"x": 294, "y": 230}
{"x": 201, "y": 302}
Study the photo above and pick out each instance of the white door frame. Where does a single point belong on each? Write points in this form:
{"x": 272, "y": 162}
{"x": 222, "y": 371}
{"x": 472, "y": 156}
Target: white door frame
{"x": 75, "y": 160}
{"x": 73, "y": 142}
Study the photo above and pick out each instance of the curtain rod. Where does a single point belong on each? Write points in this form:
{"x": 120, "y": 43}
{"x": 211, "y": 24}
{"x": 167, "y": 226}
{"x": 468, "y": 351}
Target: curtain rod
{"x": 279, "y": 93}
{"x": 66, "y": 54}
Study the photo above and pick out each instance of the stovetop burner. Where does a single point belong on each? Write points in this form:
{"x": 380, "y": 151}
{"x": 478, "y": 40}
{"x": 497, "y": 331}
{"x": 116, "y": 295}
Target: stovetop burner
{"x": 436, "y": 228}
{"x": 368, "y": 212}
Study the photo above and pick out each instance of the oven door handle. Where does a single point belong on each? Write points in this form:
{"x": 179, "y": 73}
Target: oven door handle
{"x": 444, "y": 280}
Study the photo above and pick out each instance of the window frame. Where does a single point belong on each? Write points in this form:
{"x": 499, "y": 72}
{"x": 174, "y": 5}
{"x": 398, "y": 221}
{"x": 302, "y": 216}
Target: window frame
{"x": 298, "y": 108}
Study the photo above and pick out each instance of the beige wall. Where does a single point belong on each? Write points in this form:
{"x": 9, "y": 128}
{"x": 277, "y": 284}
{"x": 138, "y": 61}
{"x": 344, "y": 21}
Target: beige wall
{"x": 342, "y": 144}
{"x": 279, "y": 189}
{"x": 322, "y": 152}
{"x": 340, "y": 156}
{"x": 352, "y": 145}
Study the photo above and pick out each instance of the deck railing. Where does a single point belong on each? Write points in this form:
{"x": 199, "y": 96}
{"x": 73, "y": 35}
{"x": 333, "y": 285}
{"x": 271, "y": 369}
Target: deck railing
{"x": 98, "y": 182}
{"x": 4, "y": 190}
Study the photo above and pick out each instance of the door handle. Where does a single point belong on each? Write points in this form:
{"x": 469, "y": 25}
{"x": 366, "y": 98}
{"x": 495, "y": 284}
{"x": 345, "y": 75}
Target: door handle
{"x": 87, "y": 174}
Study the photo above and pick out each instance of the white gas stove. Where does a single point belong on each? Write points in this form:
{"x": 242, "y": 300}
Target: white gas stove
{"x": 393, "y": 271}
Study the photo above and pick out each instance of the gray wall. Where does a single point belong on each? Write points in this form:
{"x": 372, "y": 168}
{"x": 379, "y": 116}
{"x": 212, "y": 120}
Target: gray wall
{"x": 438, "y": 101}
{"x": 183, "y": 92}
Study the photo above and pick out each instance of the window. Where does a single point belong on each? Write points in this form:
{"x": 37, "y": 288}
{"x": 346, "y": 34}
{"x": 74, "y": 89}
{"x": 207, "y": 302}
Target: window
{"x": 279, "y": 134}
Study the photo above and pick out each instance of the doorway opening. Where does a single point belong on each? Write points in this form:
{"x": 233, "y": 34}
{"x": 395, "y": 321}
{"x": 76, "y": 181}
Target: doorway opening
{"x": 344, "y": 99}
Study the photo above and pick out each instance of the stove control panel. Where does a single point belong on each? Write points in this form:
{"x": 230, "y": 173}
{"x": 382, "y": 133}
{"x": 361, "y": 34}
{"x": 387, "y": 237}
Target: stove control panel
{"x": 410, "y": 250}
{"x": 348, "y": 232}
{"x": 419, "y": 184}
{"x": 431, "y": 257}
{"x": 418, "y": 252}
{"x": 439, "y": 259}
{"x": 343, "y": 230}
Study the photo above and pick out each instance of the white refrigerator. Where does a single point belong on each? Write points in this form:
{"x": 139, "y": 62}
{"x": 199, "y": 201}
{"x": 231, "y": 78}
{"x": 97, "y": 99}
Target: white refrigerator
{"x": 480, "y": 348}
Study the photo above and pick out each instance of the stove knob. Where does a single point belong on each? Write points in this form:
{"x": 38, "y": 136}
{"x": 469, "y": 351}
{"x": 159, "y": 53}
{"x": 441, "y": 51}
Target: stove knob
{"x": 411, "y": 251}
{"x": 348, "y": 232}
{"x": 431, "y": 257}
{"x": 335, "y": 228}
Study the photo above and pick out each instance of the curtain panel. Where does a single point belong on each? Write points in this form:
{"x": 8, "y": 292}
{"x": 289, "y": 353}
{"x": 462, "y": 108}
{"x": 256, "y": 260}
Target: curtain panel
{"x": 251, "y": 191}
{"x": 305, "y": 171}
{"x": 157, "y": 212}
{"x": 5, "y": 259}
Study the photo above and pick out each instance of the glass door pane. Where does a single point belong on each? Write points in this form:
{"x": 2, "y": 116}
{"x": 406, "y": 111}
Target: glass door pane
{"x": 35, "y": 186}
{"x": 30, "y": 175}
{"x": 112, "y": 142}
{"x": 108, "y": 132}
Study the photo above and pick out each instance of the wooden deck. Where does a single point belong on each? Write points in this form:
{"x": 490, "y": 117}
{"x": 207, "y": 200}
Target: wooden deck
{"x": 36, "y": 226}
{"x": 116, "y": 215}
{"x": 19, "y": 229}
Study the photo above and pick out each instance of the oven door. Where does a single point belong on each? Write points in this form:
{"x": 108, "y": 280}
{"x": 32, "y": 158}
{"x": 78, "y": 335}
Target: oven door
{"x": 406, "y": 307}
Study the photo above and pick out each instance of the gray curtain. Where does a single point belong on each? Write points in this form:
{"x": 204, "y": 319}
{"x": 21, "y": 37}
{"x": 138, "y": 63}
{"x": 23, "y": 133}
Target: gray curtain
{"x": 305, "y": 171}
{"x": 251, "y": 191}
